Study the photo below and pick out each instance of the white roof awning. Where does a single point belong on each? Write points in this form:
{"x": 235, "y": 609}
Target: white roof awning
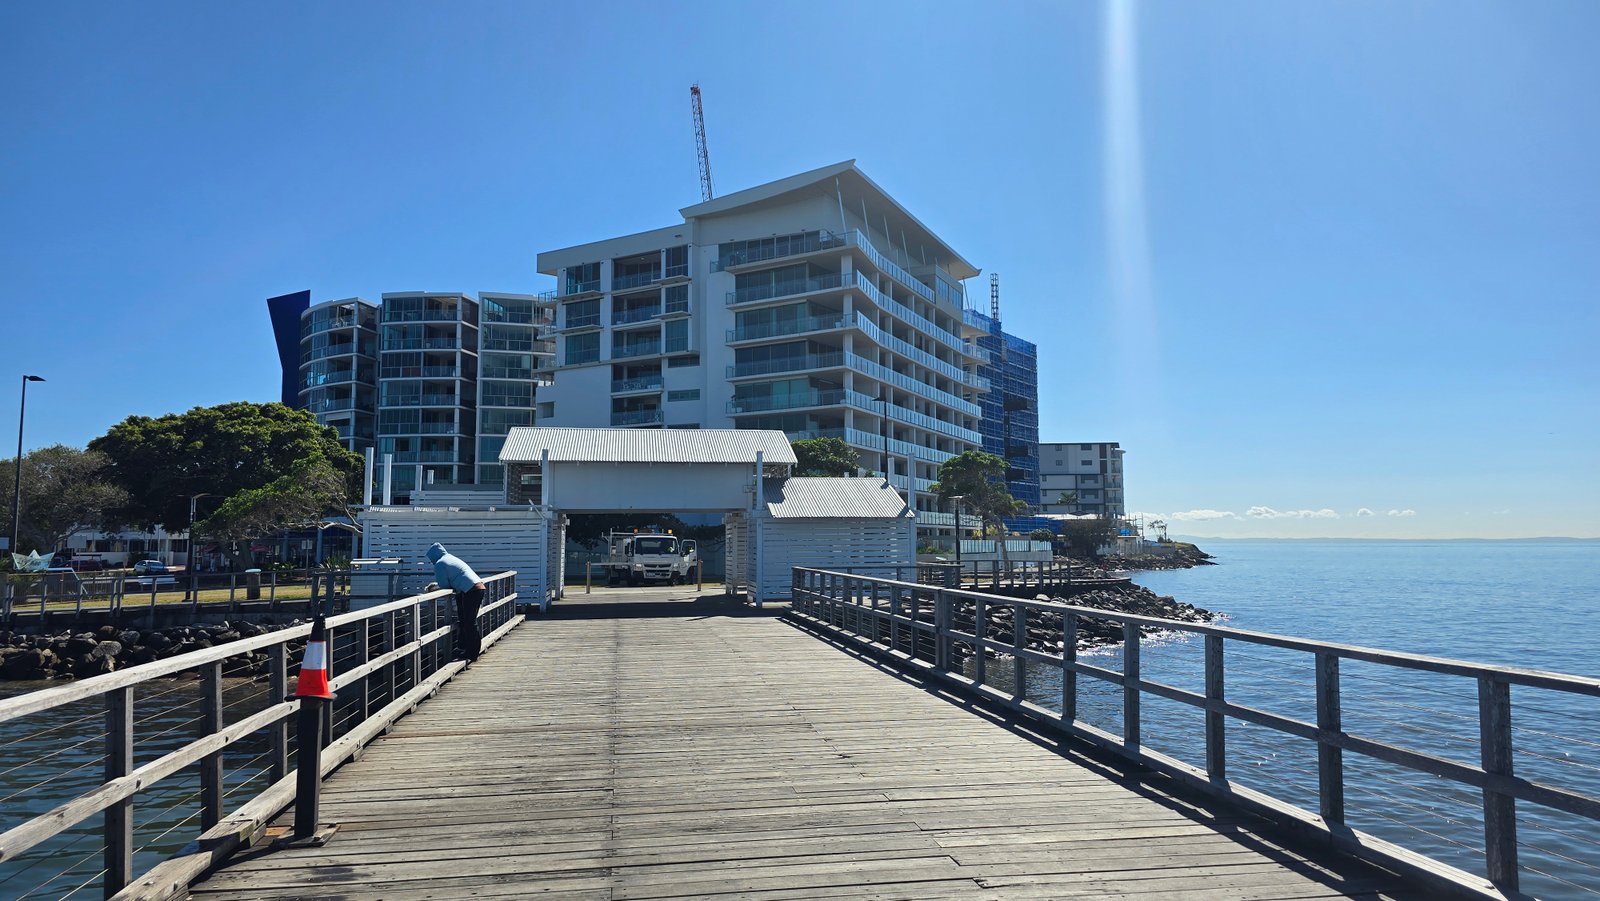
{"x": 526, "y": 445}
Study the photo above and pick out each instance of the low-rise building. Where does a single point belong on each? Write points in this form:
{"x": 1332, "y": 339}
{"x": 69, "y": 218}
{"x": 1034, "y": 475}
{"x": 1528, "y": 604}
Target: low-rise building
{"x": 1090, "y": 474}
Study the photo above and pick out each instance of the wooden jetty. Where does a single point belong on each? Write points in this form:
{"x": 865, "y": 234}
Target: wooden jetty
{"x": 656, "y": 745}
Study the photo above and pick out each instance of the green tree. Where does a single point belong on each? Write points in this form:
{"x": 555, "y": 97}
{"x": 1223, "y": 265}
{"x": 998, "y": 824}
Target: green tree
{"x": 272, "y": 466}
{"x": 1067, "y": 498}
{"x": 65, "y": 490}
{"x": 1084, "y": 537}
{"x": 824, "y": 457}
{"x": 979, "y": 478}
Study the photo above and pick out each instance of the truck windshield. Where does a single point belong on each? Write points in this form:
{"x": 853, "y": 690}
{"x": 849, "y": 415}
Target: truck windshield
{"x": 655, "y": 545}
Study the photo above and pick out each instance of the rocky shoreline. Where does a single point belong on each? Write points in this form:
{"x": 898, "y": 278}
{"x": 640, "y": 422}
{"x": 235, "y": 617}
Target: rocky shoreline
{"x": 78, "y": 655}
{"x": 1184, "y": 556}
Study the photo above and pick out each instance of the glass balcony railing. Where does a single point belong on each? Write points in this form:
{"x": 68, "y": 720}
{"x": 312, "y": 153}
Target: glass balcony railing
{"x": 778, "y": 329}
{"x": 336, "y": 377}
{"x": 583, "y": 321}
{"x": 822, "y": 240}
{"x": 329, "y": 350}
{"x": 785, "y": 288}
{"x": 635, "y": 280}
{"x": 418, "y": 372}
{"x": 506, "y": 372}
{"x": 675, "y": 344}
{"x": 677, "y": 306}
{"x": 643, "y": 383}
{"x": 317, "y": 326}
{"x": 641, "y": 349}
{"x": 923, "y": 486}
{"x": 640, "y": 314}
{"x": 786, "y": 364}
{"x": 885, "y": 374}
{"x": 518, "y": 317}
{"x": 332, "y": 404}
{"x": 636, "y": 417}
{"x": 508, "y": 344}
{"x": 419, "y": 344}
{"x": 788, "y": 401}
{"x": 390, "y": 314}
{"x": 574, "y": 286}
{"x": 928, "y": 454}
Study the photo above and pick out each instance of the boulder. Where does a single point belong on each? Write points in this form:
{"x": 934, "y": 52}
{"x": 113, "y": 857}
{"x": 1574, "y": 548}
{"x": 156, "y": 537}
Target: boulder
{"x": 106, "y": 649}
{"x": 129, "y": 638}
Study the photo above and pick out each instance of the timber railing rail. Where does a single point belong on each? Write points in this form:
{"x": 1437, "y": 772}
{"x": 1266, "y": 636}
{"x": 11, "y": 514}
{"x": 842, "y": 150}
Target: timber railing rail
{"x": 68, "y": 595}
{"x": 386, "y": 660}
{"x": 953, "y": 633}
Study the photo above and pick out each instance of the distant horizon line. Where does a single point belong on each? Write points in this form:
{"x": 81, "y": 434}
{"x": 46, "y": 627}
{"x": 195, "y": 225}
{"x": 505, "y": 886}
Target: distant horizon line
{"x": 1565, "y": 538}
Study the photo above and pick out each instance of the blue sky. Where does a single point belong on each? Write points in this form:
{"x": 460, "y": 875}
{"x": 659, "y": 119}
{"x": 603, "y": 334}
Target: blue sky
{"x": 1300, "y": 259}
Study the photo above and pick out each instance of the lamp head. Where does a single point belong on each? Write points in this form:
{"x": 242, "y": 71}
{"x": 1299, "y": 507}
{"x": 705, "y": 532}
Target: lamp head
{"x": 33, "y": 378}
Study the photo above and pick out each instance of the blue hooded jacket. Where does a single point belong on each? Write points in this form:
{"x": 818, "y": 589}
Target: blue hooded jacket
{"x": 449, "y": 571}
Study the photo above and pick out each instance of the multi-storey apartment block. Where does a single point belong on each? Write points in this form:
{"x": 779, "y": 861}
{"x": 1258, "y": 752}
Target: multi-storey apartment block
{"x": 1010, "y": 419}
{"x": 816, "y": 304}
{"x": 1091, "y": 473}
{"x": 434, "y": 379}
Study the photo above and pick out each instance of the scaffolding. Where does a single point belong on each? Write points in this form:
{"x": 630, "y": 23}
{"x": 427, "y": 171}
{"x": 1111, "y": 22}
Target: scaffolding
{"x": 1010, "y": 410}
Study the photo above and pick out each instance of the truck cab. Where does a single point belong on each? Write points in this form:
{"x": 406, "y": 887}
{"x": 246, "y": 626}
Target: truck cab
{"x": 637, "y": 558}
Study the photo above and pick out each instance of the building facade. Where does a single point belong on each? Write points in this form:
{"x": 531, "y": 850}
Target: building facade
{"x": 816, "y": 305}
{"x": 1009, "y": 421}
{"x": 1091, "y": 472}
{"x": 434, "y": 380}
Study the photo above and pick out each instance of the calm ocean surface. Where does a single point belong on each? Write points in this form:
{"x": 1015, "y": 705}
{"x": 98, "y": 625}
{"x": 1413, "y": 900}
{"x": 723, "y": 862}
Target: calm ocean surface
{"x": 1525, "y": 604}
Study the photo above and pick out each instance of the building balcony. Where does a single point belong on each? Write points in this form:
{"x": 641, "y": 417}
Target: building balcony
{"x": 791, "y": 288}
{"x": 577, "y": 322}
{"x": 640, "y": 314}
{"x": 787, "y": 364}
{"x": 787, "y": 327}
{"x": 852, "y": 437}
{"x": 522, "y": 344}
{"x": 643, "y": 383}
{"x": 641, "y": 349}
{"x": 392, "y": 315}
{"x": 823, "y": 240}
{"x": 336, "y": 377}
{"x": 333, "y": 404}
{"x": 419, "y": 343}
{"x": 636, "y": 417}
{"x": 792, "y": 401}
{"x": 935, "y": 518}
{"x": 636, "y": 280}
{"x": 419, "y": 372}
{"x": 514, "y": 373}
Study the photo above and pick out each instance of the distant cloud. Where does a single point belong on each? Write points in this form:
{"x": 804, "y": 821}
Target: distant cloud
{"x": 1203, "y": 515}
{"x": 1269, "y": 513}
{"x": 1365, "y": 512}
{"x": 1402, "y": 513}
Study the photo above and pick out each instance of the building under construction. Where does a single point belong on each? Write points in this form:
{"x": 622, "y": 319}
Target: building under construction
{"x": 1010, "y": 419}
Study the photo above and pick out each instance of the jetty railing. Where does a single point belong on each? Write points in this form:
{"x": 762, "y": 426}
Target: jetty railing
{"x": 952, "y": 633}
{"x": 68, "y": 595}
{"x": 387, "y": 659}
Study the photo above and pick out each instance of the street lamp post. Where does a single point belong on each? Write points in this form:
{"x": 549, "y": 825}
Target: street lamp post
{"x": 16, "y": 491}
{"x": 188, "y": 565}
{"x": 958, "y": 498}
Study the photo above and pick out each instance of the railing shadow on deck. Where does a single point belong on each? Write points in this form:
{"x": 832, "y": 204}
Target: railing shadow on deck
{"x": 1225, "y": 818}
{"x": 616, "y": 604}
{"x": 387, "y": 659}
{"x": 949, "y": 635}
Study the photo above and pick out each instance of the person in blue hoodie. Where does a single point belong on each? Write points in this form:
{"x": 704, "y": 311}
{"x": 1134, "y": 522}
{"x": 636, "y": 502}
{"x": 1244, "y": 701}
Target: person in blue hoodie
{"x": 450, "y": 572}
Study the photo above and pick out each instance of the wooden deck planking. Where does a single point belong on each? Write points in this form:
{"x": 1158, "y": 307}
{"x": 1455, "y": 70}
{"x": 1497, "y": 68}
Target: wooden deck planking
{"x": 707, "y": 752}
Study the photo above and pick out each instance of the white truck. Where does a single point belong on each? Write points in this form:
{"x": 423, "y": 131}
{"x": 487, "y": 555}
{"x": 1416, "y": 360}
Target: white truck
{"x": 637, "y": 557}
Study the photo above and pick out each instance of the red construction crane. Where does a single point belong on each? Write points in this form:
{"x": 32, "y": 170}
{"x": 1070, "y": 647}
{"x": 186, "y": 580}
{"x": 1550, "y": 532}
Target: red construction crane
{"x": 700, "y": 143}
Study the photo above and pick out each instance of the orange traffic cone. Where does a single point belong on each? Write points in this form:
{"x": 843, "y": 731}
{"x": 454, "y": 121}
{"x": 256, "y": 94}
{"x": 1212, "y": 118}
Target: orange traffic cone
{"x": 313, "y": 681}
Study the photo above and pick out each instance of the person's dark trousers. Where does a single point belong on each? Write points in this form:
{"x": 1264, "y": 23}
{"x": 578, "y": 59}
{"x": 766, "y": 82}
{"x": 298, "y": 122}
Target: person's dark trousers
{"x": 469, "y": 641}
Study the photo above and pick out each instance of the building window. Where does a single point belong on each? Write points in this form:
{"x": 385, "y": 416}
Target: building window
{"x": 676, "y": 336}
{"x": 582, "y": 278}
{"x": 584, "y": 312}
{"x": 689, "y": 394}
{"x": 677, "y": 261}
{"x": 677, "y": 299}
{"x": 583, "y": 348}
{"x": 683, "y": 362}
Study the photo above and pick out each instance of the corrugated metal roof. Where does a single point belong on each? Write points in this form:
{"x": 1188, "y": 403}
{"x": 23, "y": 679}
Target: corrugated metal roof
{"x": 810, "y": 497}
{"x": 524, "y": 445}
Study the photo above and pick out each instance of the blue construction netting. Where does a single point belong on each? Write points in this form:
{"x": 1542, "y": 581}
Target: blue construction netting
{"x": 1010, "y": 409}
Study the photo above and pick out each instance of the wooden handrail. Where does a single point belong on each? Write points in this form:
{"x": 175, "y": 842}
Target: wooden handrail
{"x": 114, "y": 797}
{"x": 837, "y": 600}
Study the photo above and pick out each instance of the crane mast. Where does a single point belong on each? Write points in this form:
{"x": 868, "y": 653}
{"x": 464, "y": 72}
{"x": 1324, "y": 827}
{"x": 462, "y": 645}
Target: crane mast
{"x": 706, "y": 192}
{"x": 994, "y": 296}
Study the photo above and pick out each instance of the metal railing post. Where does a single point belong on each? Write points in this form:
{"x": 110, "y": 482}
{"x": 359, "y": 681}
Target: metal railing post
{"x": 392, "y": 671}
{"x": 278, "y": 690}
{"x": 1069, "y": 677}
{"x": 211, "y": 764}
{"x": 118, "y": 831}
{"x": 1499, "y": 811}
{"x": 1330, "y": 759}
{"x": 980, "y": 630}
{"x": 1216, "y": 721}
{"x": 941, "y": 630}
{"x": 364, "y": 654}
{"x": 1019, "y": 641}
{"x": 1130, "y": 689}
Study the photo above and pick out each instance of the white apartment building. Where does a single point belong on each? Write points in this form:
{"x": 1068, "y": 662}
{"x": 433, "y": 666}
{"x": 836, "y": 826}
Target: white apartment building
{"x": 816, "y": 305}
{"x": 1091, "y": 471}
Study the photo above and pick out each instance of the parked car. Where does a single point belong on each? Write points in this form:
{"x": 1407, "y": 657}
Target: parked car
{"x": 149, "y": 567}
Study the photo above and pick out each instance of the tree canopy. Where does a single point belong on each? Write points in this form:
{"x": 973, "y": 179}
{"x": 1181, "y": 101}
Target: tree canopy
{"x": 824, "y": 457}
{"x": 979, "y": 478}
{"x": 272, "y": 467}
{"x": 65, "y": 490}
{"x": 1085, "y": 537}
